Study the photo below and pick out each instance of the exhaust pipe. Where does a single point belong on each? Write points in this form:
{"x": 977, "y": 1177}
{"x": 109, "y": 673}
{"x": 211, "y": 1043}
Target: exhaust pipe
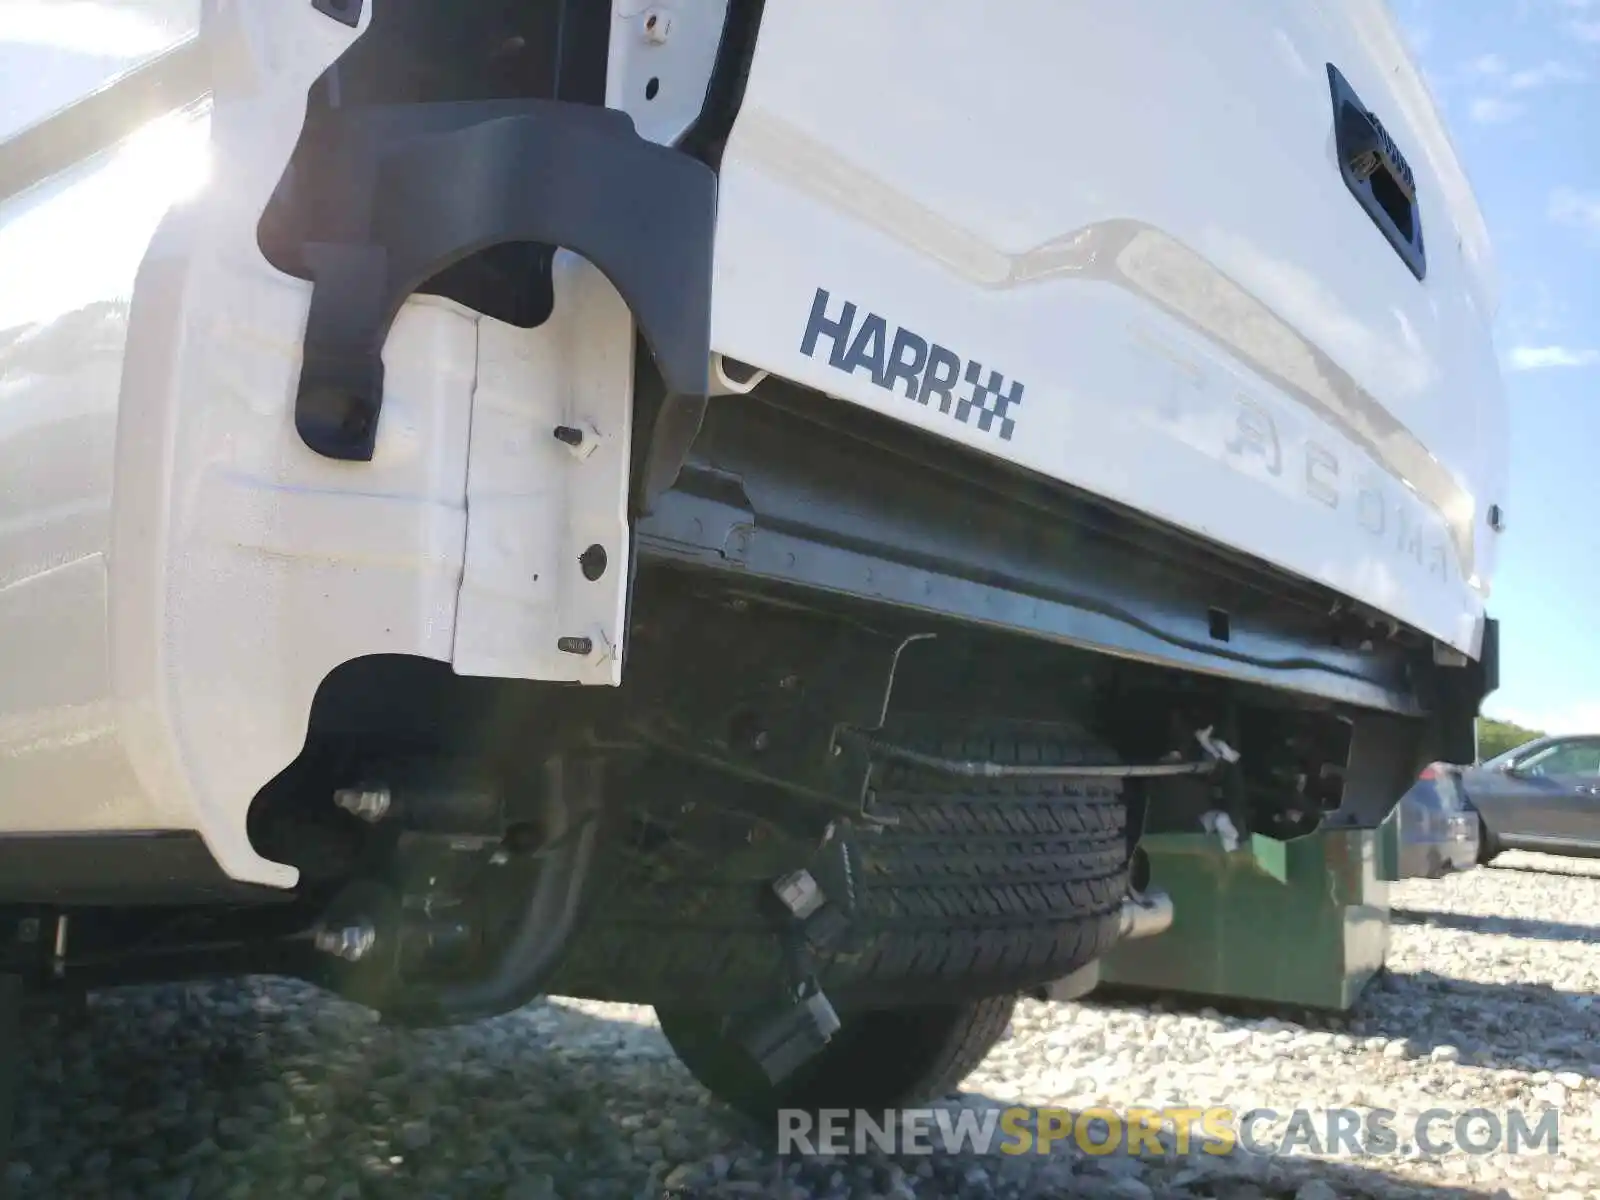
{"x": 1146, "y": 914}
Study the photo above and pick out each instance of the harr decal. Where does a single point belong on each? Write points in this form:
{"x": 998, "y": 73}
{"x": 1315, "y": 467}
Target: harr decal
{"x": 916, "y": 367}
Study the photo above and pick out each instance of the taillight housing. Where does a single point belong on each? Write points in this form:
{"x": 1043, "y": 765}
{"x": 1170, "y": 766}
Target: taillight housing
{"x": 1433, "y": 771}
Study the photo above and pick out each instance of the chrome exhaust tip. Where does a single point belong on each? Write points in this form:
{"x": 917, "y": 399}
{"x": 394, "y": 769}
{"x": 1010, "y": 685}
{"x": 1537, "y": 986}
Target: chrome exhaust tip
{"x": 1146, "y": 914}
{"x": 1143, "y": 914}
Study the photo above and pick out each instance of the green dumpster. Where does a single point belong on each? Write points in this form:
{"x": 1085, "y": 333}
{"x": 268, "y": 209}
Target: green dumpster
{"x": 1300, "y": 922}
{"x": 1389, "y": 835}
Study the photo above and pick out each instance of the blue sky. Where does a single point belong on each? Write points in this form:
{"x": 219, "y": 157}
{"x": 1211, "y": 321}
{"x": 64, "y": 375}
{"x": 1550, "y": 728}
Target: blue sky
{"x": 1519, "y": 82}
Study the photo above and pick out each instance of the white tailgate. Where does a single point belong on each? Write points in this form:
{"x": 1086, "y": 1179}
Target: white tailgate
{"x": 1118, "y": 240}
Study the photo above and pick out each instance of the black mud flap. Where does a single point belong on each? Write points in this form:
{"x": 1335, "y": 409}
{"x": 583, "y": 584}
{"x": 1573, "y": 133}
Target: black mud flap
{"x": 1384, "y": 761}
{"x": 416, "y": 189}
{"x": 1387, "y": 752}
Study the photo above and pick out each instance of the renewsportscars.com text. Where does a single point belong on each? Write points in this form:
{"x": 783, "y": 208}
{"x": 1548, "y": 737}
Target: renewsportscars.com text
{"x": 1154, "y": 1132}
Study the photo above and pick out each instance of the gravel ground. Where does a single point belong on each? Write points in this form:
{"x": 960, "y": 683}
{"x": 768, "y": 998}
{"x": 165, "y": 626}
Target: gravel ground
{"x": 267, "y": 1089}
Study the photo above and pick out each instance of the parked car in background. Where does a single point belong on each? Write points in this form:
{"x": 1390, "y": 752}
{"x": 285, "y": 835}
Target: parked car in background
{"x": 1437, "y": 833}
{"x": 1544, "y": 795}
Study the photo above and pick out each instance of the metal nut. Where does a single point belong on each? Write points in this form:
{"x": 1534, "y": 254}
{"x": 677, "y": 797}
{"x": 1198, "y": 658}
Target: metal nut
{"x": 351, "y": 943}
{"x": 371, "y": 804}
{"x": 657, "y": 27}
{"x": 799, "y": 893}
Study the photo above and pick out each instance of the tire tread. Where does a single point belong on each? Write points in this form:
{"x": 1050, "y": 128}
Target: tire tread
{"x": 990, "y": 884}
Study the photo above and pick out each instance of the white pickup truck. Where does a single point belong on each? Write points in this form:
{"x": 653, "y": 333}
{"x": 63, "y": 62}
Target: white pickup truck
{"x": 752, "y": 507}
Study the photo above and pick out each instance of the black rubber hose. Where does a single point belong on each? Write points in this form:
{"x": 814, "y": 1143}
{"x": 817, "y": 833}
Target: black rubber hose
{"x": 978, "y": 769}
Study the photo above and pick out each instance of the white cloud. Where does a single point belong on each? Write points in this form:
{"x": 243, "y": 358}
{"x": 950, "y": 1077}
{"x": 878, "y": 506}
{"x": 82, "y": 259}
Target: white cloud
{"x": 1492, "y": 110}
{"x": 1581, "y": 210}
{"x": 1532, "y": 78}
{"x": 1584, "y": 31}
{"x": 1498, "y": 85}
{"x": 1537, "y": 314}
{"x": 1544, "y": 358}
{"x": 1498, "y": 72}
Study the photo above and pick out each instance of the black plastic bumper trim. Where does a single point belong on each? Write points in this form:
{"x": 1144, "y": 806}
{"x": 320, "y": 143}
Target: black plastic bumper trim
{"x": 810, "y": 495}
{"x": 474, "y": 176}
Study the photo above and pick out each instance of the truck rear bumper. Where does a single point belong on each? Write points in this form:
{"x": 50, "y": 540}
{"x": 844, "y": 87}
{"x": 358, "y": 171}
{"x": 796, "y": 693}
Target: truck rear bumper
{"x": 800, "y": 491}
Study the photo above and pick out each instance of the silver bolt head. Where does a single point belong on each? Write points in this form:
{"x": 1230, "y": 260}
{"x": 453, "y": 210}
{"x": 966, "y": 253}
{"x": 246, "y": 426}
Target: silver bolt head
{"x": 351, "y": 943}
{"x": 371, "y": 804}
{"x": 657, "y": 27}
